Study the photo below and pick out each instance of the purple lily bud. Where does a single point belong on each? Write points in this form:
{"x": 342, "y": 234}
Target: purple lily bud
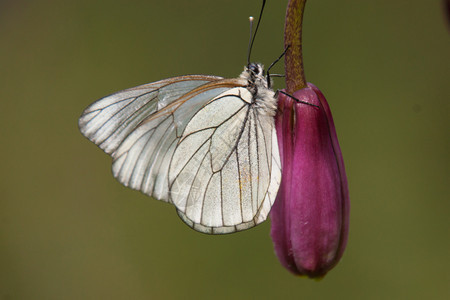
{"x": 310, "y": 216}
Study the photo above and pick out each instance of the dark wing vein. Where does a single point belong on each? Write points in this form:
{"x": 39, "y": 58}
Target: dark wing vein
{"x": 117, "y": 112}
{"x": 257, "y": 153}
{"x": 154, "y": 154}
{"x": 249, "y": 152}
{"x": 132, "y": 116}
{"x": 156, "y": 148}
{"x": 204, "y": 195}
{"x": 195, "y": 176}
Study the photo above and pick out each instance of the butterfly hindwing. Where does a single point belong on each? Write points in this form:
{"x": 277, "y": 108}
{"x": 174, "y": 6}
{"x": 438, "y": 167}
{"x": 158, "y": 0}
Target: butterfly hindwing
{"x": 225, "y": 170}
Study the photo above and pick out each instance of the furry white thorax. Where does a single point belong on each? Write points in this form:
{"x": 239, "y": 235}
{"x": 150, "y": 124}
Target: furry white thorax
{"x": 263, "y": 96}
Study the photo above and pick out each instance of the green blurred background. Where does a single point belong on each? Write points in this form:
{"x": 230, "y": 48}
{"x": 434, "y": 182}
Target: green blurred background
{"x": 69, "y": 230}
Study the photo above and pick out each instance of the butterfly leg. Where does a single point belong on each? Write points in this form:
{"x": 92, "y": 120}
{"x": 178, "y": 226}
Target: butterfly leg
{"x": 299, "y": 101}
{"x": 271, "y": 65}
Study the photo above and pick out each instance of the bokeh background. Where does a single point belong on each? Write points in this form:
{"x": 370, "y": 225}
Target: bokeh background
{"x": 69, "y": 230}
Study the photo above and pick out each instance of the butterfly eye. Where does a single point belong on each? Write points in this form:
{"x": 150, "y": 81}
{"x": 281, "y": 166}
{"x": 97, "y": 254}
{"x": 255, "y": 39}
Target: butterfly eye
{"x": 254, "y": 68}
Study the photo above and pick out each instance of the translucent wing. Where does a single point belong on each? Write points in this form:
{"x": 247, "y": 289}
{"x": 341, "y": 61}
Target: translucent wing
{"x": 139, "y": 127}
{"x": 225, "y": 170}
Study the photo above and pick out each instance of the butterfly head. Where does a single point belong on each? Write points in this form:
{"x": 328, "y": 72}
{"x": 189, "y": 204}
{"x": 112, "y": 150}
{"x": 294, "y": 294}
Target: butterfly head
{"x": 256, "y": 69}
{"x": 254, "y": 74}
{"x": 257, "y": 84}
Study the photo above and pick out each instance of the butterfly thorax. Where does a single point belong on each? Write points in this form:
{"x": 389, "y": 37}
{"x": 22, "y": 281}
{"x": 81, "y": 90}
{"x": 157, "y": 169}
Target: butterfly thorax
{"x": 257, "y": 84}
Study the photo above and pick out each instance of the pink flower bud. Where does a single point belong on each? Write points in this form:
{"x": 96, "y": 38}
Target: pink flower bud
{"x": 311, "y": 212}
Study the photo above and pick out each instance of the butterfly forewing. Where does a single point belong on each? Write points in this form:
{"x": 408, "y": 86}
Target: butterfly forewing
{"x": 139, "y": 128}
{"x": 142, "y": 159}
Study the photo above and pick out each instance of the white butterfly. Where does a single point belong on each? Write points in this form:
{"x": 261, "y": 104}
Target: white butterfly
{"x": 203, "y": 143}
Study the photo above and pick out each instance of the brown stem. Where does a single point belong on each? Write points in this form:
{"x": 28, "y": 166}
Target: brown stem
{"x": 293, "y": 60}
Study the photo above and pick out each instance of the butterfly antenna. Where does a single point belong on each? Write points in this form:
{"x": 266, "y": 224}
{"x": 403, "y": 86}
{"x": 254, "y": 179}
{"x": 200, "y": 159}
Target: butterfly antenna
{"x": 250, "y": 40}
{"x": 252, "y": 36}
